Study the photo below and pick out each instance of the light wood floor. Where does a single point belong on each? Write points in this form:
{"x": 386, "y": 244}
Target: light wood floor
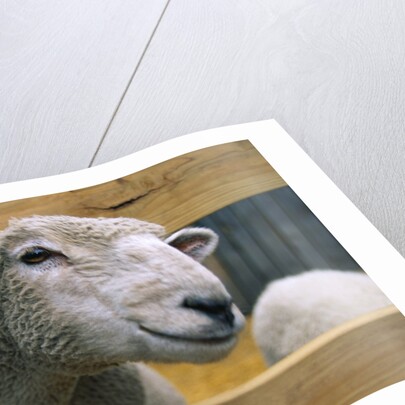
{"x": 85, "y": 82}
{"x": 199, "y": 382}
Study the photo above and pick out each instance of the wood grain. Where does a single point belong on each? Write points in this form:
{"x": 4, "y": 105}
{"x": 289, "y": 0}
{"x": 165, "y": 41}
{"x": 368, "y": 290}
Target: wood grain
{"x": 206, "y": 76}
{"x": 64, "y": 66}
{"x": 330, "y": 72}
{"x": 174, "y": 193}
{"x": 339, "y": 367}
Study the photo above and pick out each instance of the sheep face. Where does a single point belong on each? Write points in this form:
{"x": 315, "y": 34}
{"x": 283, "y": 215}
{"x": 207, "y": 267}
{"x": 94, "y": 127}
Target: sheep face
{"x": 81, "y": 293}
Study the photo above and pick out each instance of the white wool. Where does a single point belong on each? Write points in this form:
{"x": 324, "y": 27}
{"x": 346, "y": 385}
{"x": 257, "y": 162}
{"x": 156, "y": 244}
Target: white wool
{"x": 296, "y": 309}
{"x": 82, "y": 297}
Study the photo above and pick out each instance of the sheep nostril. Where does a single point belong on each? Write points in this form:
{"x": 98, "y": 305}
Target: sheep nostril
{"x": 220, "y": 309}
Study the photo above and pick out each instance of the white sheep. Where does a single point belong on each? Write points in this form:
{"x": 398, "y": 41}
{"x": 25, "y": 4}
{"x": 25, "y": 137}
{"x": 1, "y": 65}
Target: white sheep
{"x": 296, "y": 309}
{"x": 81, "y": 297}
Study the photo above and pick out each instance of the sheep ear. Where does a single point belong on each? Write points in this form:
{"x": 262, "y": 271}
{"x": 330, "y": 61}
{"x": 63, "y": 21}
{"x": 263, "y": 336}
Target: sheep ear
{"x": 197, "y": 243}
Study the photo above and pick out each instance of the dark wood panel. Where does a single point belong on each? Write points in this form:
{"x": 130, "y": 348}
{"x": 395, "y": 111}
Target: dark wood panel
{"x": 269, "y": 236}
{"x": 265, "y": 236}
{"x": 286, "y": 228}
{"x": 247, "y": 283}
{"x": 313, "y": 230}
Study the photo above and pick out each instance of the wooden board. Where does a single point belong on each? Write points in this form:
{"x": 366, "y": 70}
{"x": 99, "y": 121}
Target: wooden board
{"x": 339, "y": 367}
{"x": 174, "y": 193}
{"x": 64, "y": 66}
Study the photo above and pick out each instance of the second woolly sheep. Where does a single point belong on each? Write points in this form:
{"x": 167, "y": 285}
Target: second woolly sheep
{"x": 296, "y": 309}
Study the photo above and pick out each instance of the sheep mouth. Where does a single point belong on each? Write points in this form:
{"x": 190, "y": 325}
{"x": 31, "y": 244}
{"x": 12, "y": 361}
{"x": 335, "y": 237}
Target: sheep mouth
{"x": 194, "y": 339}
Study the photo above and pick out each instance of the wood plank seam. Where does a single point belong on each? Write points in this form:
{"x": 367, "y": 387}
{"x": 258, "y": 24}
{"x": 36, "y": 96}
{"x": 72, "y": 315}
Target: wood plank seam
{"x": 128, "y": 84}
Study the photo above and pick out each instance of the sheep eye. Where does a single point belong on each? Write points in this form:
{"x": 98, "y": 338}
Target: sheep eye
{"x": 35, "y": 255}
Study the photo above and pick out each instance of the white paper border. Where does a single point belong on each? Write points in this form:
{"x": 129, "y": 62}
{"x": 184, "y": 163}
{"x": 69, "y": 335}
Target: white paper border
{"x": 342, "y": 218}
{"x": 392, "y": 395}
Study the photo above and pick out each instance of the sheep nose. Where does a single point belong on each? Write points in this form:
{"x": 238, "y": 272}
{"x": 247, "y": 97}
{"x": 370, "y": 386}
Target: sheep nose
{"x": 219, "y": 309}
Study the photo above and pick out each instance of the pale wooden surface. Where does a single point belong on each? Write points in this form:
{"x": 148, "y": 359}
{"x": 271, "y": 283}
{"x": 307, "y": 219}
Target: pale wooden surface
{"x": 64, "y": 66}
{"x": 331, "y": 73}
{"x": 339, "y": 367}
{"x": 174, "y": 193}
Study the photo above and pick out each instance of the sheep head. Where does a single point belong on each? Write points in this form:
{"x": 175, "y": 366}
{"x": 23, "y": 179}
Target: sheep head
{"x": 77, "y": 294}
